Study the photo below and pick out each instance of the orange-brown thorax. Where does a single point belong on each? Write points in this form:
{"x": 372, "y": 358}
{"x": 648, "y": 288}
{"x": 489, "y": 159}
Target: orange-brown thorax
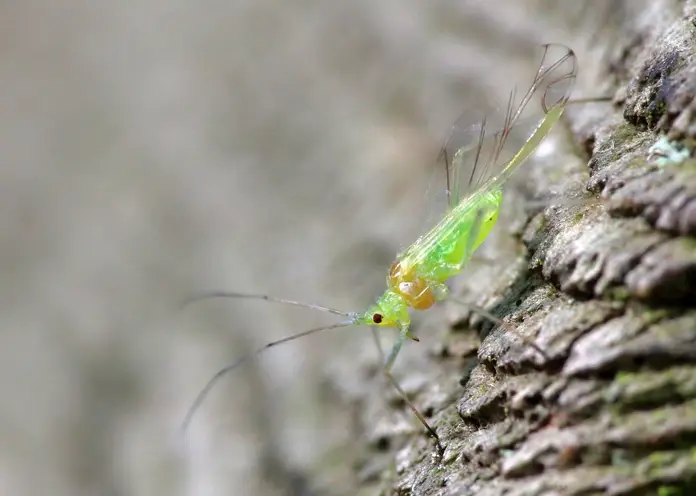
{"x": 415, "y": 290}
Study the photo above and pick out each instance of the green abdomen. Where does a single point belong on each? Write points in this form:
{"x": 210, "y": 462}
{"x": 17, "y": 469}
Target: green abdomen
{"x": 446, "y": 249}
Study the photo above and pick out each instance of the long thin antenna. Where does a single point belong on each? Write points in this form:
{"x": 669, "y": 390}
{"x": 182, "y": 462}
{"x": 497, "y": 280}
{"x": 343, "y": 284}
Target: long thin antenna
{"x": 248, "y": 296}
{"x": 229, "y": 368}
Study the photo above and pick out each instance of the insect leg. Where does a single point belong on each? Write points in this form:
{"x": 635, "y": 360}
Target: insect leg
{"x": 469, "y": 250}
{"x": 378, "y": 343}
{"x": 496, "y": 320}
{"x": 387, "y": 373}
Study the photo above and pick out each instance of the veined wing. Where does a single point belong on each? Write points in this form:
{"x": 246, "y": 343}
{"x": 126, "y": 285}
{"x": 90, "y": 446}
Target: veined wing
{"x": 481, "y": 148}
{"x": 479, "y": 157}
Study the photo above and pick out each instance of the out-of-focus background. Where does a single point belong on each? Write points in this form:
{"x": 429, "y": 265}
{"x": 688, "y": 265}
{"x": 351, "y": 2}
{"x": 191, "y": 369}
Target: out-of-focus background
{"x": 152, "y": 149}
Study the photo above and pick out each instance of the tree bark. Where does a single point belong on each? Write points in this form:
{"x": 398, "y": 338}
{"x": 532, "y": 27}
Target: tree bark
{"x": 607, "y": 288}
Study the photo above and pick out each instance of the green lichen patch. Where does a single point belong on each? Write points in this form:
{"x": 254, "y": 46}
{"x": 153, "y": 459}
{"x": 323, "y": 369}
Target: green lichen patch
{"x": 604, "y": 440}
{"x": 649, "y": 389}
{"x": 668, "y": 153}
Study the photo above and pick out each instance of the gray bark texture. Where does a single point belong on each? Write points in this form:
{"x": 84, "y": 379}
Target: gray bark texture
{"x": 154, "y": 148}
{"x": 607, "y": 289}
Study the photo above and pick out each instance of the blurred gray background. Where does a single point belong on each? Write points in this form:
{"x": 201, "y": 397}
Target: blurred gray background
{"x": 152, "y": 149}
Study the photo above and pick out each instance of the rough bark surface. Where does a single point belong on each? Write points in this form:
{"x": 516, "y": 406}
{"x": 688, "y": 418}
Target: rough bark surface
{"x": 607, "y": 289}
{"x": 156, "y": 148}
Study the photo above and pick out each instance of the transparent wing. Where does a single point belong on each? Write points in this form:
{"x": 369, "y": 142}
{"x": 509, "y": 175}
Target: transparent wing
{"x": 483, "y": 147}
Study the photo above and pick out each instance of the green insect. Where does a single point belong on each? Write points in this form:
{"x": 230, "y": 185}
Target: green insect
{"x": 416, "y": 280}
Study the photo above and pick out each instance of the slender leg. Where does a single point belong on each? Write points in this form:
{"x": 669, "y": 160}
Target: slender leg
{"x": 469, "y": 250}
{"x": 378, "y": 343}
{"x": 387, "y": 373}
{"x": 487, "y": 315}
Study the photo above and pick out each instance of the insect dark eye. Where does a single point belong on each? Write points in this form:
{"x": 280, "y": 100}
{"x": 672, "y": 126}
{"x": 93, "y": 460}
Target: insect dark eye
{"x": 377, "y": 318}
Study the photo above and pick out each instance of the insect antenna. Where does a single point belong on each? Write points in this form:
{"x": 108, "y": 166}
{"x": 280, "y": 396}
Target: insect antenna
{"x": 232, "y": 366}
{"x": 207, "y": 295}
